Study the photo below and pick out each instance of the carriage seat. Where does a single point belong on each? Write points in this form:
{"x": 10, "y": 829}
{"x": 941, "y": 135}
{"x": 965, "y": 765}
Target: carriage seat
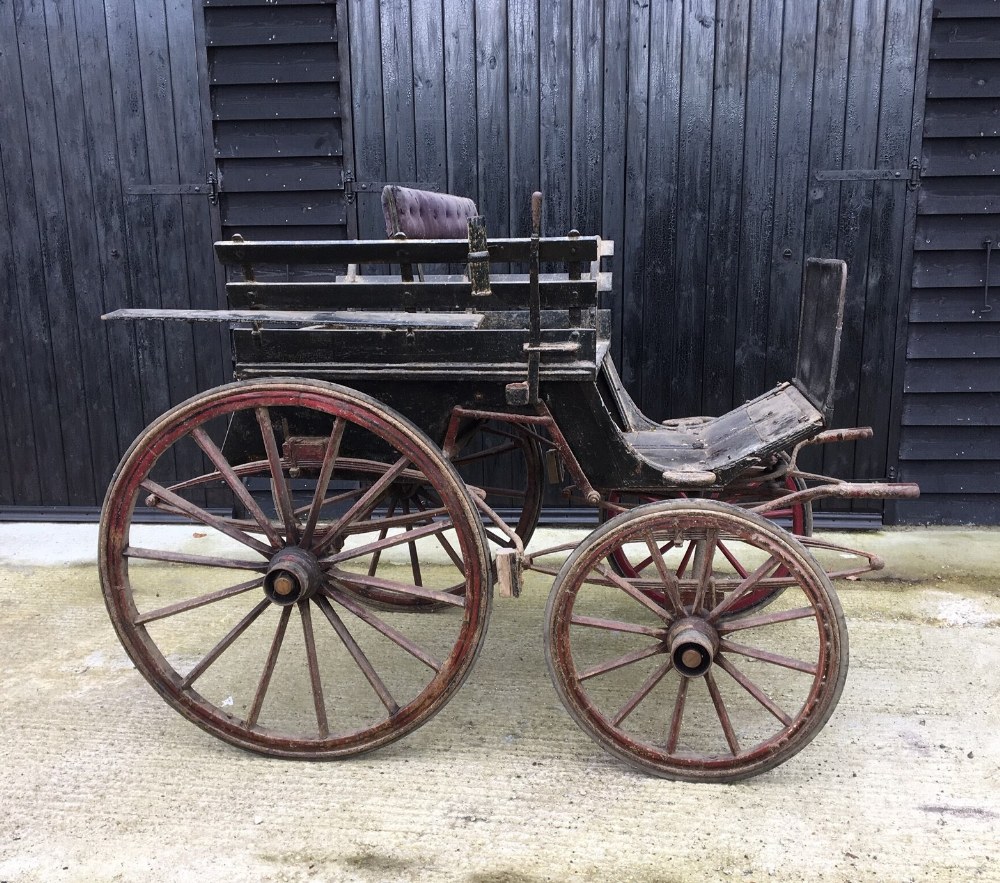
{"x": 704, "y": 451}
{"x": 423, "y": 214}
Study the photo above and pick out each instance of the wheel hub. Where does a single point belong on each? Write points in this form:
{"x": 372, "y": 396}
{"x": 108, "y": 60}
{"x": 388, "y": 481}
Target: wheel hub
{"x": 293, "y": 575}
{"x": 693, "y": 644}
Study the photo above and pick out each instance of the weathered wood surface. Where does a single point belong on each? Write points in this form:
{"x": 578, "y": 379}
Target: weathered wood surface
{"x": 332, "y": 318}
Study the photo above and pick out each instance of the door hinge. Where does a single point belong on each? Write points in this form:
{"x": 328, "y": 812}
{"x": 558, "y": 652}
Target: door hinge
{"x": 353, "y": 187}
{"x": 911, "y": 174}
{"x": 211, "y": 188}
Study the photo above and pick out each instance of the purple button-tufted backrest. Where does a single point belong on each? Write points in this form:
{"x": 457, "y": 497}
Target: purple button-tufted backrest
{"x": 421, "y": 214}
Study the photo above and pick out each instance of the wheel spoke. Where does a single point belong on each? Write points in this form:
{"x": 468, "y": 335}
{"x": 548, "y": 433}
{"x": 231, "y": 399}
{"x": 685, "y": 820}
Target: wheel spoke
{"x": 765, "y": 619}
{"x": 720, "y": 710}
{"x": 752, "y": 689}
{"x": 704, "y": 558}
{"x": 669, "y": 579}
{"x": 314, "y": 679}
{"x": 449, "y": 549}
{"x": 743, "y": 588}
{"x": 613, "y": 625}
{"x": 633, "y": 592}
{"x": 379, "y": 545}
{"x": 732, "y": 559}
{"x": 203, "y": 517}
{"x": 382, "y": 534}
{"x": 767, "y": 656}
{"x": 323, "y": 481}
{"x": 356, "y": 579}
{"x": 682, "y": 567}
{"x": 414, "y": 560}
{"x": 186, "y": 558}
{"x": 225, "y": 643}
{"x": 265, "y": 675}
{"x": 213, "y": 453}
{"x": 368, "y": 500}
{"x": 200, "y": 601}
{"x": 358, "y": 655}
{"x": 622, "y": 661}
{"x": 643, "y": 691}
{"x": 384, "y": 628}
{"x": 678, "y": 715}
{"x": 495, "y": 451}
{"x": 281, "y": 494}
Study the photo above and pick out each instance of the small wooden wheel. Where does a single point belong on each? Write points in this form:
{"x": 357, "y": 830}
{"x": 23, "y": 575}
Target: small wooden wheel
{"x": 204, "y": 609}
{"x": 799, "y": 515}
{"x": 665, "y": 671}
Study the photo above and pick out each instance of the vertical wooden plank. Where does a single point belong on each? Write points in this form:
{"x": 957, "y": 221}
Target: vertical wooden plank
{"x": 86, "y": 304}
{"x": 167, "y": 229}
{"x": 105, "y": 195}
{"x": 723, "y": 289}
{"x": 345, "y": 92}
{"x": 555, "y": 32}
{"x": 210, "y": 359}
{"x": 632, "y": 247}
{"x": 694, "y": 182}
{"x": 616, "y": 50}
{"x": 428, "y": 92}
{"x": 661, "y": 206}
{"x": 20, "y": 481}
{"x": 921, "y": 63}
{"x": 59, "y": 403}
{"x": 460, "y": 90}
{"x": 883, "y": 284}
{"x": 587, "y": 116}
{"x": 130, "y": 126}
{"x": 855, "y": 221}
{"x": 792, "y": 187}
{"x": 492, "y": 122}
{"x": 397, "y": 86}
{"x": 368, "y": 114}
{"x": 522, "y": 79}
{"x": 760, "y": 166}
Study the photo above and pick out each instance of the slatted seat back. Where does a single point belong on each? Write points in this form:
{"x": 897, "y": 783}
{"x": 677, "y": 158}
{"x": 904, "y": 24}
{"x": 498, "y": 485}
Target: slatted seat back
{"x": 821, "y": 321}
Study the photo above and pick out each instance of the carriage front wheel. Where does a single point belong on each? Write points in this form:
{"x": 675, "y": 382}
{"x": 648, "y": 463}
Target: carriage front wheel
{"x": 667, "y": 670}
{"x": 248, "y": 613}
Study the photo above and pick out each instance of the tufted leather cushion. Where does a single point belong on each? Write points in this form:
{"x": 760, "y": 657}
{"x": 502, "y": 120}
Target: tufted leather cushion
{"x": 421, "y": 214}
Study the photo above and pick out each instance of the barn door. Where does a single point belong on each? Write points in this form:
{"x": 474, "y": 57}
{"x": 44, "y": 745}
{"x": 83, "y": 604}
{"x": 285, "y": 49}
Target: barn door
{"x": 279, "y": 99}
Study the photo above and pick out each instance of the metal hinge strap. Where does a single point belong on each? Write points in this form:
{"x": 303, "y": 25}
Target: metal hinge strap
{"x": 911, "y": 174}
{"x": 353, "y": 187}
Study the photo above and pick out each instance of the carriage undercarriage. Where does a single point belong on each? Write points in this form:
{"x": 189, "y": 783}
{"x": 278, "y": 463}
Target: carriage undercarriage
{"x": 377, "y": 469}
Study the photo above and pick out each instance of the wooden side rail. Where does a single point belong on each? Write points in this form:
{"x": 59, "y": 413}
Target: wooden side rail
{"x": 395, "y": 251}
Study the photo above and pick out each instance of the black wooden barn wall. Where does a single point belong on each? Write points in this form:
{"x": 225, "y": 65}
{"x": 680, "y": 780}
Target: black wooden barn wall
{"x": 690, "y": 132}
{"x": 950, "y": 435}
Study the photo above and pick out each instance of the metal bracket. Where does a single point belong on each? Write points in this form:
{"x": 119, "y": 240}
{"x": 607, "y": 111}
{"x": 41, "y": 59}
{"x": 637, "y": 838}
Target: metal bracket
{"x": 911, "y": 174}
{"x": 211, "y": 188}
{"x": 353, "y": 187}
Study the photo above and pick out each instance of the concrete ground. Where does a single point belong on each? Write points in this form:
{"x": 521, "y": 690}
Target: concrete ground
{"x": 102, "y": 781}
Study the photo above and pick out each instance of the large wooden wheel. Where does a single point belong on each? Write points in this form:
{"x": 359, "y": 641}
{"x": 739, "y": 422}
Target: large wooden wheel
{"x": 665, "y": 671}
{"x": 205, "y": 610}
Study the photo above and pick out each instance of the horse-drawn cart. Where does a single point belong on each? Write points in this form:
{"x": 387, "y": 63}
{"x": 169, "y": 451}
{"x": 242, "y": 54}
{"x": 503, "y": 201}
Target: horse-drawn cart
{"x": 378, "y": 466}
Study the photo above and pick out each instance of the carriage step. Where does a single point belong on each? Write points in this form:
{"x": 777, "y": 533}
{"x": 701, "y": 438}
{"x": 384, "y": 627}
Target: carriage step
{"x": 510, "y": 577}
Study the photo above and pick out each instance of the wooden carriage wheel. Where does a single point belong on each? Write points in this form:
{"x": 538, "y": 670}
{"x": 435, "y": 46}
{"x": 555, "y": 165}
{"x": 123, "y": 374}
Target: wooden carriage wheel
{"x": 800, "y": 516}
{"x": 665, "y": 672}
{"x": 205, "y": 609}
{"x": 504, "y": 461}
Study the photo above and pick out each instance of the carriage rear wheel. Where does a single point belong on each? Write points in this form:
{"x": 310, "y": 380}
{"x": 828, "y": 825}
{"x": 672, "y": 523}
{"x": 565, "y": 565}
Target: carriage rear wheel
{"x": 204, "y": 607}
{"x": 664, "y": 669}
